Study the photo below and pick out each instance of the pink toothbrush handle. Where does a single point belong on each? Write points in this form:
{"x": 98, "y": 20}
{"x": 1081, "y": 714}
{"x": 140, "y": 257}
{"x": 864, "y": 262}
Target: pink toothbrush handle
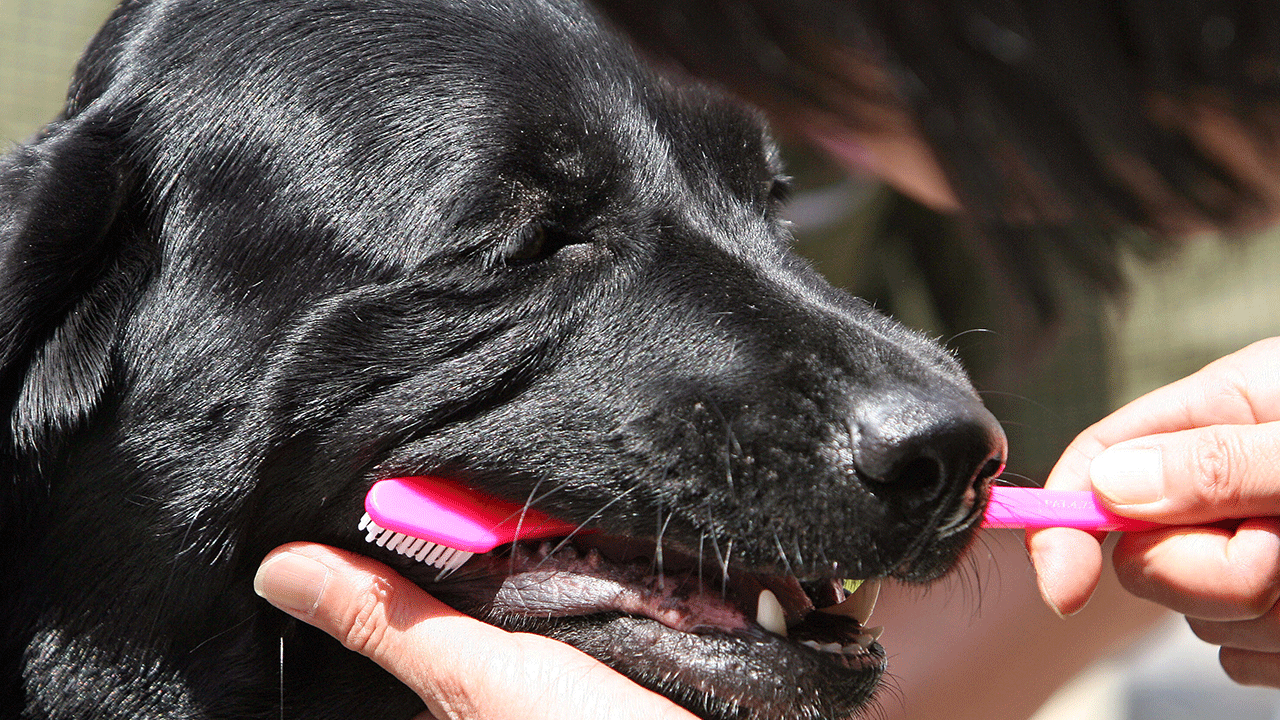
{"x": 1016, "y": 507}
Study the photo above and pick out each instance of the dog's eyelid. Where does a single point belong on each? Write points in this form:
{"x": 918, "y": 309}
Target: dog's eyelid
{"x": 538, "y": 242}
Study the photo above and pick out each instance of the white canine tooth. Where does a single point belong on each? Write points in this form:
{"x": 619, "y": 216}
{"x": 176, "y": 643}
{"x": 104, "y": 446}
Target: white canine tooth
{"x": 860, "y": 604}
{"x": 852, "y": 648}
{"x": 812, "y": 644}
{"x": 769, "y": 613}
{"x": 870, "y": 635}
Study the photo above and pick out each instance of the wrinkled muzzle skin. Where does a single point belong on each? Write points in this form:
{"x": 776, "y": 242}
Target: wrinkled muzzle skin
{"x": 277, "y": 251}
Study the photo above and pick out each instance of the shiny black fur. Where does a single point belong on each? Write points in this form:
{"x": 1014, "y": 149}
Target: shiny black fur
{"x": 274, "y": 251}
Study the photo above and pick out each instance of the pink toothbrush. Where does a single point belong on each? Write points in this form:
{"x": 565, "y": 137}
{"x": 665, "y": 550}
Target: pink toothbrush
{"x": 1017, "y": 507}
{"x": 443, "y": 524}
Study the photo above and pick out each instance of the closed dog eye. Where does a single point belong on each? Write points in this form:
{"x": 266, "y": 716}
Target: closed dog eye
{"x": 540, "y": 242}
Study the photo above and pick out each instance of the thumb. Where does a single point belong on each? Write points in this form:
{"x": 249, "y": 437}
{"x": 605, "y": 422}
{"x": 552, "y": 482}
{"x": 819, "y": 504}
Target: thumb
{"x": 1193, "y": 476}
{"x": 462, "y": 668}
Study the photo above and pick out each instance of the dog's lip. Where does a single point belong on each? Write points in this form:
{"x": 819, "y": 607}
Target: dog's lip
{"x": 566, "y": 580}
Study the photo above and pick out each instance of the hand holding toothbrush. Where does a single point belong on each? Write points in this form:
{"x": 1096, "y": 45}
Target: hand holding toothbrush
{"x": 462, "y": 668}
{"x": 1199, "y": 451}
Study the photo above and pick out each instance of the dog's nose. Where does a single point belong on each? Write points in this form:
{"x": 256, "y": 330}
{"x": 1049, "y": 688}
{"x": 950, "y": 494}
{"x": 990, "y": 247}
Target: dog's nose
{"x": 920, "y": 450}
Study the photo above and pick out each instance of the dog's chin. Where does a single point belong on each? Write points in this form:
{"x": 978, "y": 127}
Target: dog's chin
{"x": 695, "y": 635}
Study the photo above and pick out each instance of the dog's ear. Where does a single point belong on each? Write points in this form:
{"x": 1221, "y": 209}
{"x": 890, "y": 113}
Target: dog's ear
{"x": 61, "y": 198}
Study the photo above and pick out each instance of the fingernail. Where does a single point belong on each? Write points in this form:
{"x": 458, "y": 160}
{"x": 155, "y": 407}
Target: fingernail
{"x": 292, "y": 582}
{"x": 1128, "y": 476}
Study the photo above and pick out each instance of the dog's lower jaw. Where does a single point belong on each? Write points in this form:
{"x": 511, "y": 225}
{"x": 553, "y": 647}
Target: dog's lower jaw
{"x": 722, "y": 676}
{"x": 691, "y": 638}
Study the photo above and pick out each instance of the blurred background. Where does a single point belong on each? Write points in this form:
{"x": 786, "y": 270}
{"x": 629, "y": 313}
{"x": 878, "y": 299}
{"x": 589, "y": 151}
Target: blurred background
{"x": 1181, "y": 313}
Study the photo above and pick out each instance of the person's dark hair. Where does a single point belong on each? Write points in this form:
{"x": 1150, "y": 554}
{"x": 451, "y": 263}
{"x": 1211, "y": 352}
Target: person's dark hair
{"x": 1065, "y": 128}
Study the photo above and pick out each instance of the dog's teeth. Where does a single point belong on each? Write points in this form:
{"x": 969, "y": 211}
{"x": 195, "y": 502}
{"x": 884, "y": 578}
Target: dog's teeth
{"x": 769, "y": 613}
{"x": 832, "y": 647}
{"x": 812, "y": 644}
{"x": 860, "y": 604}
{"x": 867, "y": 637}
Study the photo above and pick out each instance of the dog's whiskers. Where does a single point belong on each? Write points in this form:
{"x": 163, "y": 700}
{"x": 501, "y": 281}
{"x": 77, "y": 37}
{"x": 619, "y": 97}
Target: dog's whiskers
{"x": 582, "y": 525}
{"x": 724, "y": 568}
{"x": 702, "y": 539}
{"x": 657, "y": 549}
{"x": 1006, "y": 478}
{"x": 281, "y": 676}
{"x": 782, "y": 554}
{"x": 962, "y": 333}
{"x": 722, "y": 562}
{"x": 524, "y": 511}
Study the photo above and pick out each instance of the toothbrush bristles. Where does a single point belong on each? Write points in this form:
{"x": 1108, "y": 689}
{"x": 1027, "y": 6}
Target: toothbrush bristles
{"x": 441, "y": 556}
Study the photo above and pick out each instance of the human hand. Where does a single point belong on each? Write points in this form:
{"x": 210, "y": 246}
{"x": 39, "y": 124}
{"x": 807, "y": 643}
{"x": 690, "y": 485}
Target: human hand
{"x": 1198, "y": 451}
{"x": 463, "y": 669}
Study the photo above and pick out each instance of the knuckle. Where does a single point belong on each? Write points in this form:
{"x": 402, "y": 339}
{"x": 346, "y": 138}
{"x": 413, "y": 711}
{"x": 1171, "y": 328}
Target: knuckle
{"x": 1215, "y": 464}
{"x": 366, "y": 623}
{"x": 1225, "y": 391}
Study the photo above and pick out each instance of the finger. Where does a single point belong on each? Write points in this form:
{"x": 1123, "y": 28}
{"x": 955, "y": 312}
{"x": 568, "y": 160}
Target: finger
{"x": 1240, "y": 389}
{"x": 462, "y": 668}
{"x": 1068, "y": 565}
{"x": 1205, "y": 572}
{"x": 1260, "y": 634}
{"x": 1193, "y": 476}
{"x": 1247, "y": 667}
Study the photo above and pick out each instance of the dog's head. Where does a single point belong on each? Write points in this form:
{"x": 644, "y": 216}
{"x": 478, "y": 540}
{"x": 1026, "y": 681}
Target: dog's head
{"x": 276, "y": 251}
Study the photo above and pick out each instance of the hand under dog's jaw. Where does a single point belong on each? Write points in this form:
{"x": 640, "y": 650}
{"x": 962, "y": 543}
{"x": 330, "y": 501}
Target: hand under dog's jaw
{"x": 699, "y": 617}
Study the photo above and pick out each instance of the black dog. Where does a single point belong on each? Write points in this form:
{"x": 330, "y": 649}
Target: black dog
{"x": 273, "y": 252}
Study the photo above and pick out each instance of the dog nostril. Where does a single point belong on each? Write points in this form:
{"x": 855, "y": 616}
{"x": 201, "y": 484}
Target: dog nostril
{"x": 922, "y": 449}
{"x": 918, "y": 472}
{"x": 990, "y": 470}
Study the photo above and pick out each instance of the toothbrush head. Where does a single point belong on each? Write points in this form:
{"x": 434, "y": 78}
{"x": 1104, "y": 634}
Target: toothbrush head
{"x": 443, "y": 524}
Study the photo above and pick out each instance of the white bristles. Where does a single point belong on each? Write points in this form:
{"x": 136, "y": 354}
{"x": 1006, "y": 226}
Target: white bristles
{"x": 446, "y": 558}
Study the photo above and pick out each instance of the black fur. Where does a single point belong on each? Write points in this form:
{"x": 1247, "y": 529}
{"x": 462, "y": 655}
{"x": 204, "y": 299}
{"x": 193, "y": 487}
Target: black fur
{"x": 274, "y": 251}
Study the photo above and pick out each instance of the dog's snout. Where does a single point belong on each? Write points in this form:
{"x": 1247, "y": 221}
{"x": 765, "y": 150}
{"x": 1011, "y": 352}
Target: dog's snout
{"x": 922, "y": 451}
